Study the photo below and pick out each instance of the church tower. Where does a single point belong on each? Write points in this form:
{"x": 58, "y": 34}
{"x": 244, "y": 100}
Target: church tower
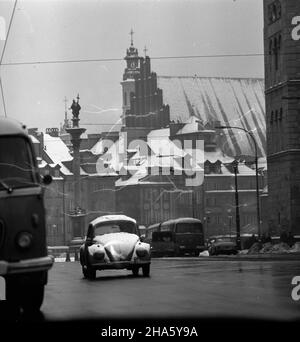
{"x": 143, "y": 108}
{"x": 282, "y": 90}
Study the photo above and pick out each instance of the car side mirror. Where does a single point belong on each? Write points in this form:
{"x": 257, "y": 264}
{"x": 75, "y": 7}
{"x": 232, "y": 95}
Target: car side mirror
{"x": 142, "y": 237}
{"x": 47, "y": 179}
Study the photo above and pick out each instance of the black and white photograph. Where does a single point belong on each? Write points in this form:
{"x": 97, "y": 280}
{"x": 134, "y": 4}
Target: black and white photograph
{"x": 149, "y": 167}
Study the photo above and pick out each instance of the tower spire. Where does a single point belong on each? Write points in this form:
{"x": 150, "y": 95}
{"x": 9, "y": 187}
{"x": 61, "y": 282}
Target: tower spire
{"x": 145, "y": 50}
{"x": 66, "y": 114}
{"x": 131, "y": 34}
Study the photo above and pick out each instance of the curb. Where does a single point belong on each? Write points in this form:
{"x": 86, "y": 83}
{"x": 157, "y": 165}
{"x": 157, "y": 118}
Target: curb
{"x": 255, "y": 257}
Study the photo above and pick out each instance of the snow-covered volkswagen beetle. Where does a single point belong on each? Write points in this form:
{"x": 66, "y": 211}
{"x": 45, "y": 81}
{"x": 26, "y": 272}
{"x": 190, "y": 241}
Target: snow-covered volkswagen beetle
{"x": 113, "y": 242}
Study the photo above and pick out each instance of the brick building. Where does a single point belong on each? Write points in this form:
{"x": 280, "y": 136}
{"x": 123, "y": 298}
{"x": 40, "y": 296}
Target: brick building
{"x": 282, "y": 90}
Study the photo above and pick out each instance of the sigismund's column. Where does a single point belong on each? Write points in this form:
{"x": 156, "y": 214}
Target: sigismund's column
{"x": 77, "y": 213}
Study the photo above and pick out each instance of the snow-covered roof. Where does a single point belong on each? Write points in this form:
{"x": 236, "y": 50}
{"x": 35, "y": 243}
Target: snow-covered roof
{"x": 34, "y": 140}
{"x": 109, "y": 218}
{"x": 159, "y": 142}
{"x": 56, "y": 149}
{"x": 58, "y": 152}
{"x": 232, "y": 101}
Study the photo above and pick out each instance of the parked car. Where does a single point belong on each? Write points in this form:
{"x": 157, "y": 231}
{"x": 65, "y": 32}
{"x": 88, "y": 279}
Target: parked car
{"x": 222, "y": 245}
{"x": 113, "y": 242}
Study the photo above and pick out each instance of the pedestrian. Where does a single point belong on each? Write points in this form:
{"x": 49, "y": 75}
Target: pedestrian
{"x": 284, "y": 236}
{"x": 290, "y": 239}
{"x": 268, "y": 238}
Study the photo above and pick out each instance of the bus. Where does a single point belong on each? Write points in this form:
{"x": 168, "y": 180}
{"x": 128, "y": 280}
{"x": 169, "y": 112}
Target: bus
{"x": 176, "y": 237}
{"x": 24, "y": 259}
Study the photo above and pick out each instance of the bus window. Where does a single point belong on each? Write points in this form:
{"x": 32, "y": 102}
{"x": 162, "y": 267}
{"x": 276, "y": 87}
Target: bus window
{"x": 16, "y": 162}
{"x": 167, "y": 228}
{"x": 162, "y": 237}
{"x": 192, "y": 228}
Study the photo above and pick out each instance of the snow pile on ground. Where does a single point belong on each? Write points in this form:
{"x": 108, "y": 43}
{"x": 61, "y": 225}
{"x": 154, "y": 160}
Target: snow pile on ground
{"x": 255, "y": 248}
{"x": 268, "y": 248}
{"x": 63, "y": 259}
{"x": 295, "y": 248}
{"x": 243, "y": 251}
{"x": 204, "y": 253}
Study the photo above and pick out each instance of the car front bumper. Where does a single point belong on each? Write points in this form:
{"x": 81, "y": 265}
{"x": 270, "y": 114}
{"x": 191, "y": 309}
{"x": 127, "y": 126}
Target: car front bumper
{"x": 26, "y": 266}
{"x": 119, "y": 264}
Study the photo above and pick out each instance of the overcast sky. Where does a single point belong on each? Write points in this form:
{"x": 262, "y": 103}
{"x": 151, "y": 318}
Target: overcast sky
{"x": 74, "y": 30}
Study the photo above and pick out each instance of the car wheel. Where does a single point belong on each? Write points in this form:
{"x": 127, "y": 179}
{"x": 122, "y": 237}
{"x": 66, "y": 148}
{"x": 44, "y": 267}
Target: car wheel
{"x": 146, "y": 270}
{"x": 88, "y": 272}
{"x": 135, "y": 271}
{"x": 29, "y": 297}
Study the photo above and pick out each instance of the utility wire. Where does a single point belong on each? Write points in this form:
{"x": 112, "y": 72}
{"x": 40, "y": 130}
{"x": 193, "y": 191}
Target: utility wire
{"x": 2, "y": 55}
{"x": 3, "y": 100}
{"x": 121, "y": 59}
{"x": 153, "y": 58}
{"x": 9, "y": 26}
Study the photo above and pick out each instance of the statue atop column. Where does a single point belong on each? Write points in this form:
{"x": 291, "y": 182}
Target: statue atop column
{"x": 75, "y": 111}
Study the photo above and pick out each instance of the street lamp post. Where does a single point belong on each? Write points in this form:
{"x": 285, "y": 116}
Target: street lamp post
{"x": 237, "y": 206}
{"x": 256, "y": 171}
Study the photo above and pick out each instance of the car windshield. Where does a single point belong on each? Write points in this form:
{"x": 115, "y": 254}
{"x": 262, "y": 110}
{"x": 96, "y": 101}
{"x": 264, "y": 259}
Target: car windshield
{"x": 16, "y": 163}
{"x": 115, "y": 227}
{"x": 194, "y": 228}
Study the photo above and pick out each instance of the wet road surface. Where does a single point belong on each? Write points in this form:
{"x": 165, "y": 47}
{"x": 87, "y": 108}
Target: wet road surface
{"x": 177, "y": 287}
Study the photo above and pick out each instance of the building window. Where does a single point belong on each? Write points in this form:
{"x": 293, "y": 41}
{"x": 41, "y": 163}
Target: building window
{"x": 272, "y": 117}
{"x": 125, "y": 98}
{"x": 270, "y": 47}
{"x": 276, "y": 115}
{"x": 207, "y": 168}
{"x": 276, "y": 53}
{"x": 280, "y": 114}
{"x": 274, "y": 12}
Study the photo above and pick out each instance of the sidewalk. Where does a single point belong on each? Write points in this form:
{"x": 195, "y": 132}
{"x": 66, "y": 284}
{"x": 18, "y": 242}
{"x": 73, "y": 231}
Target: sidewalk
{"x": 254, "y": 257}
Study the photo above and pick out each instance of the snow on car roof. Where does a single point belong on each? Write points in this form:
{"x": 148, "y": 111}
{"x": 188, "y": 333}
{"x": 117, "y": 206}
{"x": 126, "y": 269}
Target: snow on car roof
{"x": 108, "y": 218}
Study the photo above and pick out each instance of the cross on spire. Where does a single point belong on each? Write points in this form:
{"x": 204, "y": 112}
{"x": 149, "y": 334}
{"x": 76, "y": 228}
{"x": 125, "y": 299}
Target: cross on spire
{"x": 131, "y": 34}
{"x": 145, "y": 50}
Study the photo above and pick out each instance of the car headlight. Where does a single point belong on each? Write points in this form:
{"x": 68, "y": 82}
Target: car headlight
{"x": 141, "y": 251}
{"x": 24, "y": 240}
{"x": 98, "y": 252}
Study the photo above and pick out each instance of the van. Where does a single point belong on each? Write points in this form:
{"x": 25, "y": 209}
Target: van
{"x": 24, "y": 260}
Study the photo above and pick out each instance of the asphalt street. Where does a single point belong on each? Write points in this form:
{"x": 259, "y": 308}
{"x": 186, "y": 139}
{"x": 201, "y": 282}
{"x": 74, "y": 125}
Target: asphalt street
{"x": 177, "y": 287}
